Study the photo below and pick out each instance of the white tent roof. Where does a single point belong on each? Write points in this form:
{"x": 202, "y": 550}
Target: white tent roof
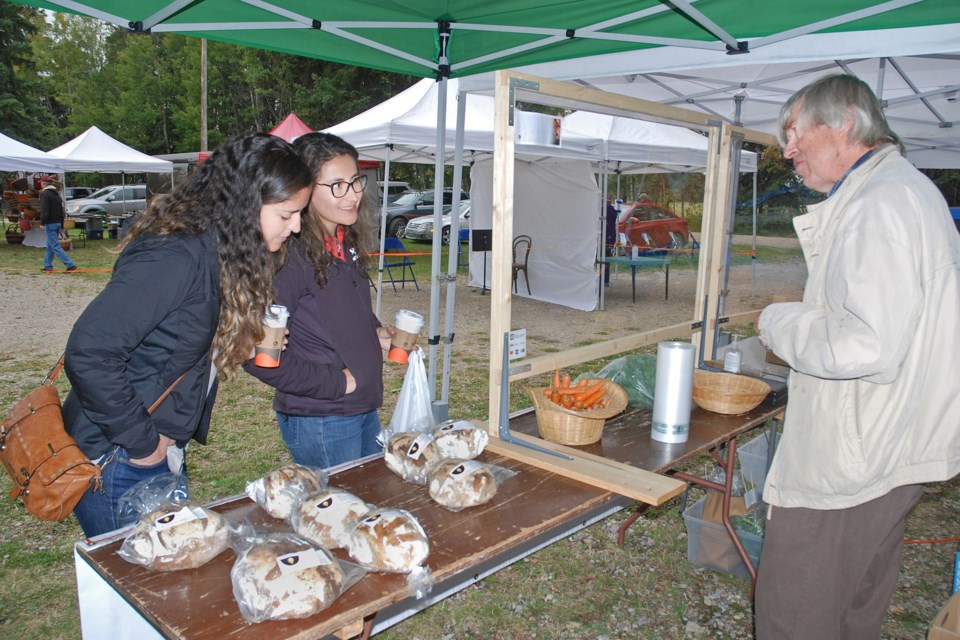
{"x": 16, "y": 156}
{"x": 918, "y": 79}
{"x": 408, "y": 121}
{"x": 93, "y": 150}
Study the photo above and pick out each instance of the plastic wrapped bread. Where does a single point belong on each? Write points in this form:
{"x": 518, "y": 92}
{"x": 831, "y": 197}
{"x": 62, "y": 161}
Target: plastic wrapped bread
{"x": 176, "y": 536}
{"x": 458, "y": 484}
{"x": 281, "y": 491}
{"x": 283, "y": 576}
{"x": 460, "y": 439}
{"x": 389, "y": 540}
{"x": 411, "y": 455}
{"x": 328, "y": 516}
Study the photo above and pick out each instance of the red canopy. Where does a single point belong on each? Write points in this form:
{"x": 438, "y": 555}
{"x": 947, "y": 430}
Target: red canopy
{"x": 291, "y": 128}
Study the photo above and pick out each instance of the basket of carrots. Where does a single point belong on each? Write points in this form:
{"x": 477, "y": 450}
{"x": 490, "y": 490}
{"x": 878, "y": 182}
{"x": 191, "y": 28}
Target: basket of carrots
{"x": 574, "y": 414}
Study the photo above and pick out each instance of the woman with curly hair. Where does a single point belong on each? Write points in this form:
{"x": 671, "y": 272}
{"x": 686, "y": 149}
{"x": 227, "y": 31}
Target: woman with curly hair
{"x": 329, "y": 384}
{"x": 186, "y": 302}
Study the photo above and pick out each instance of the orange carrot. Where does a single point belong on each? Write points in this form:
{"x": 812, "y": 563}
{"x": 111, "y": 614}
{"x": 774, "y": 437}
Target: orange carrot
{"x": 566, "y": 381}
{"x": 556, "y": 378}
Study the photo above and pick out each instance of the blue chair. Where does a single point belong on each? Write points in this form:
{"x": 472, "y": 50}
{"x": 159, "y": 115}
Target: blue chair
{"x": 463, "y": 259}
{"x": 404, "y": 263}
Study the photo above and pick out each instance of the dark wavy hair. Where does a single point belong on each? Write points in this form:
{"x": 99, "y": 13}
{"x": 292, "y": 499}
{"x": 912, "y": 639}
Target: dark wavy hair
{"x": 317, "y": 149}
{"x": 226, "y": 192}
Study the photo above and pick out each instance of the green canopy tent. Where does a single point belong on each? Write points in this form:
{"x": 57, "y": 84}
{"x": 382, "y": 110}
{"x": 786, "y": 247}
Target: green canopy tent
{"x": 457, "y": 38}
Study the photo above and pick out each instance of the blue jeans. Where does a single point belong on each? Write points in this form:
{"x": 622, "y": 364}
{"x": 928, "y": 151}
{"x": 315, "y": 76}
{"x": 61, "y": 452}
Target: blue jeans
{"x": 54, "y": 248}
{"x": 98, "y": 512}
{"x": 326, "y": 441}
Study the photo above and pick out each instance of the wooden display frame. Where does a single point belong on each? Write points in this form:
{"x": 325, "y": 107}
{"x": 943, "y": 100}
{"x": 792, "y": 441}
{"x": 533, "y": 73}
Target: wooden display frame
{"x": 511, "y": 87}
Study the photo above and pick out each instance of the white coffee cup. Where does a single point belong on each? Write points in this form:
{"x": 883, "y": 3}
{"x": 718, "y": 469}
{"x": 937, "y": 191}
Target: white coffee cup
{"x": 267, "y": 353}
{"x": 408, "y": 325}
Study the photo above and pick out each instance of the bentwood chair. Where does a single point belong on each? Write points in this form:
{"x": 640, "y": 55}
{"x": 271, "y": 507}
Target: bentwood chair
{"x": 521, "y": 255}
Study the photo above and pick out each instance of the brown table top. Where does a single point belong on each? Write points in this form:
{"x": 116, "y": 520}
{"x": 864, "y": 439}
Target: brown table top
{"x": 199, "y": 603}
{"x": 626, "y": 438}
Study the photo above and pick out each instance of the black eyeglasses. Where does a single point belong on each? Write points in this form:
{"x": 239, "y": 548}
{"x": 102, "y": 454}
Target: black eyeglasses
{"x": 340, "y": 187}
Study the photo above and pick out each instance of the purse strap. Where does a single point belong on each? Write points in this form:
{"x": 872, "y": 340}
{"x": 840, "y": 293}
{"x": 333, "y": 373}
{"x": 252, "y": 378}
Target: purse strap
{"x": 58, "y": 367}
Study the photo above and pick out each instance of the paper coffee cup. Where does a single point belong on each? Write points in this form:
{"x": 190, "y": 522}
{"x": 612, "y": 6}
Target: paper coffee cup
{"x": 267, "y": 353}
{"x": 408, "y": 325}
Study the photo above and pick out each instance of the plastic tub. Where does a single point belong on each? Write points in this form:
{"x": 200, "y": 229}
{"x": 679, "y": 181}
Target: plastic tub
{"x": 709, "y": 545}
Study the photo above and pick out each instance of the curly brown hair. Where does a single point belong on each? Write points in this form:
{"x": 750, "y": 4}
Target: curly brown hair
{"x": 226, "y": 193}
{"x": 317, "y": 149}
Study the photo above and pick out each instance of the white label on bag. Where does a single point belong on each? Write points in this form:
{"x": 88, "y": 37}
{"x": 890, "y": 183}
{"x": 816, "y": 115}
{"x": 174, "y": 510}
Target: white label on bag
{"x": 415, "y": 450}
{"x": 175, "y": 518}
{"x": 295, "y": 561}
{"x": 465, "y": 468}
{"x": 459, "y": 425}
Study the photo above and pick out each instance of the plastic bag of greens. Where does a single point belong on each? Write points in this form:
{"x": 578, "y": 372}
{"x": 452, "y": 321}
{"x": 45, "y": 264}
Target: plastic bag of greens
{"x": 637, "y": 375}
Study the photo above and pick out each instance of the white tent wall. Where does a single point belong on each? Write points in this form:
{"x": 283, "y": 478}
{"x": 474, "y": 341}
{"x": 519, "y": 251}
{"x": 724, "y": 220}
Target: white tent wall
{"x": 557, "y": 206}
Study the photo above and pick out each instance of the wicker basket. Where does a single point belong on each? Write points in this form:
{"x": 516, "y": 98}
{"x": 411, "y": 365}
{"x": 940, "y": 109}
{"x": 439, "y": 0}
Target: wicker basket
{"x": 728, "y": 393}
{"x": 565, "y": 426}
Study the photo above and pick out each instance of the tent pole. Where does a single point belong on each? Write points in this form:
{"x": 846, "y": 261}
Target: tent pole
{"x": 753, "y": 257}
{"x": 453, "y": 254}
{"x": 439, "y": 410}
{"x": 602, "y": 244}
{"x": 383, "y": 226}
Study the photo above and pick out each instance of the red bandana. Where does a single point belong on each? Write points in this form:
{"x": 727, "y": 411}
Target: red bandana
{"x": 335, "y": 246}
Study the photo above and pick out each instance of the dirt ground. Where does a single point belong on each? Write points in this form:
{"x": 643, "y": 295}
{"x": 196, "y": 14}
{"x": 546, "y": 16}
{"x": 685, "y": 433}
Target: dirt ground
{"x": 39, "y": 309}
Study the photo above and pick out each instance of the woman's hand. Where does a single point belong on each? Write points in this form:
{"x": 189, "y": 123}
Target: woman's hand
{"x": 159, "y": 454}
{"x": 385, "y": 334}
{"x": 351, "y": 381}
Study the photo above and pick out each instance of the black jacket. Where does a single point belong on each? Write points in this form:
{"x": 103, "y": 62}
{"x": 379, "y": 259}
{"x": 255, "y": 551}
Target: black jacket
{"x": 51, "y": 206}
{"x": 331, "y": 328}
{"x": 154, "y": 320}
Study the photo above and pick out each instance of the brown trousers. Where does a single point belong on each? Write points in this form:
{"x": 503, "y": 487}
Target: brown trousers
{"x": 830, "y": 574}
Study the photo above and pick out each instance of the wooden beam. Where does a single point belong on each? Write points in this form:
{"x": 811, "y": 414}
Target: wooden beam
{"x": 639, "y": 484}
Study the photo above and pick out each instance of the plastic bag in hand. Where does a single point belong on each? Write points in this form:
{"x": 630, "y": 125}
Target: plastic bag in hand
{"x": 413, "y": 411}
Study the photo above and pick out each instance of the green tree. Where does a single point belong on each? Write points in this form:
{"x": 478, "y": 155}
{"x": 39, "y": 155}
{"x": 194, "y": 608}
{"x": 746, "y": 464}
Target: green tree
{"x": 25, "y": 112}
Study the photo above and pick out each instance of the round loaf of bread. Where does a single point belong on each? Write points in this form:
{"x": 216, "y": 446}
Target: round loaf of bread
{"x": 279, "y": 492}
{"x": 283, "y": 578}
{"x": 176, "y": 537}
{"x": 327, "y": 517}
{"x": 461, "y": 439}
{"x": 411, "y": 455}
{"x": 389, "y": 540}
{"x": 458, "y": 484}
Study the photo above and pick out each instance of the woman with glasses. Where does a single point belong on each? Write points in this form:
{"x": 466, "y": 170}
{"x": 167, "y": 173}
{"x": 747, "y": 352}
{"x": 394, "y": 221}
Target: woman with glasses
{"x": 329, "y": 384}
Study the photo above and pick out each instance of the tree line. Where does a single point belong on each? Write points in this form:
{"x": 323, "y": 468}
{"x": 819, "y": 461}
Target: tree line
{"x": 61, "y": 74}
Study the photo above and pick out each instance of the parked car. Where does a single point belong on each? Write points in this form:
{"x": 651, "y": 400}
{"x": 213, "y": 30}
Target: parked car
{"x": 422, "y": 228}
{"x": 72, "y": 193}
{"x": 396, "y": 190}
{"x": 657, "y": 222}
{"x": 414, "y": 204}
{"x": 116, "y": 200}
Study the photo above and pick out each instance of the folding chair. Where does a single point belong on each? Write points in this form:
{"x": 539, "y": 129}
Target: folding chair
{"x": 677, "y": 243}
{"x": 651, "y": 249}
{"x": 463, "y": 256}
{"x": 404, "y": 263}
{"x": 694, "y": 248}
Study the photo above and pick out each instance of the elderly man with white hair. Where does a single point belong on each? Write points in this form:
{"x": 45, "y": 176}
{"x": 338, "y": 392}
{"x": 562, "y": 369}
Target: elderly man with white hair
{"x": 874, "y": 396}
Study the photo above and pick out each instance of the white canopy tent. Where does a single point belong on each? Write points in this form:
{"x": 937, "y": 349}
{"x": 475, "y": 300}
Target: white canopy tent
{"x": 16, "y": 156}
{"x": 93, "y": 150}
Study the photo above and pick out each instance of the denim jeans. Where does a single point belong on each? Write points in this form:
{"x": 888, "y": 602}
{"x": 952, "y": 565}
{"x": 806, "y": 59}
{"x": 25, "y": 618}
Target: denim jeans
{"x": 54, "y": 248}
{"x": 98, "y": 512}
{"x": 326, "y": 441}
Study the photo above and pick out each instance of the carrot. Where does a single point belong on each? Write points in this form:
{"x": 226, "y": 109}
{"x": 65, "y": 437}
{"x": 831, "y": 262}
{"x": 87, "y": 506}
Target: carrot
{"x": 556, "y": 378}
{"x": 592, "y": 399}
{"x": 566, "y": 381}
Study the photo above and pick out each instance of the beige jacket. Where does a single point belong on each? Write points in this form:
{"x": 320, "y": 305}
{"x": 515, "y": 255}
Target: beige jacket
{"x": 874, "y": 396}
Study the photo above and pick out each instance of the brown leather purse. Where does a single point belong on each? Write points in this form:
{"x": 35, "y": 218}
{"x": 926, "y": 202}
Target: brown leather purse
{"x": 49, "y": 471}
